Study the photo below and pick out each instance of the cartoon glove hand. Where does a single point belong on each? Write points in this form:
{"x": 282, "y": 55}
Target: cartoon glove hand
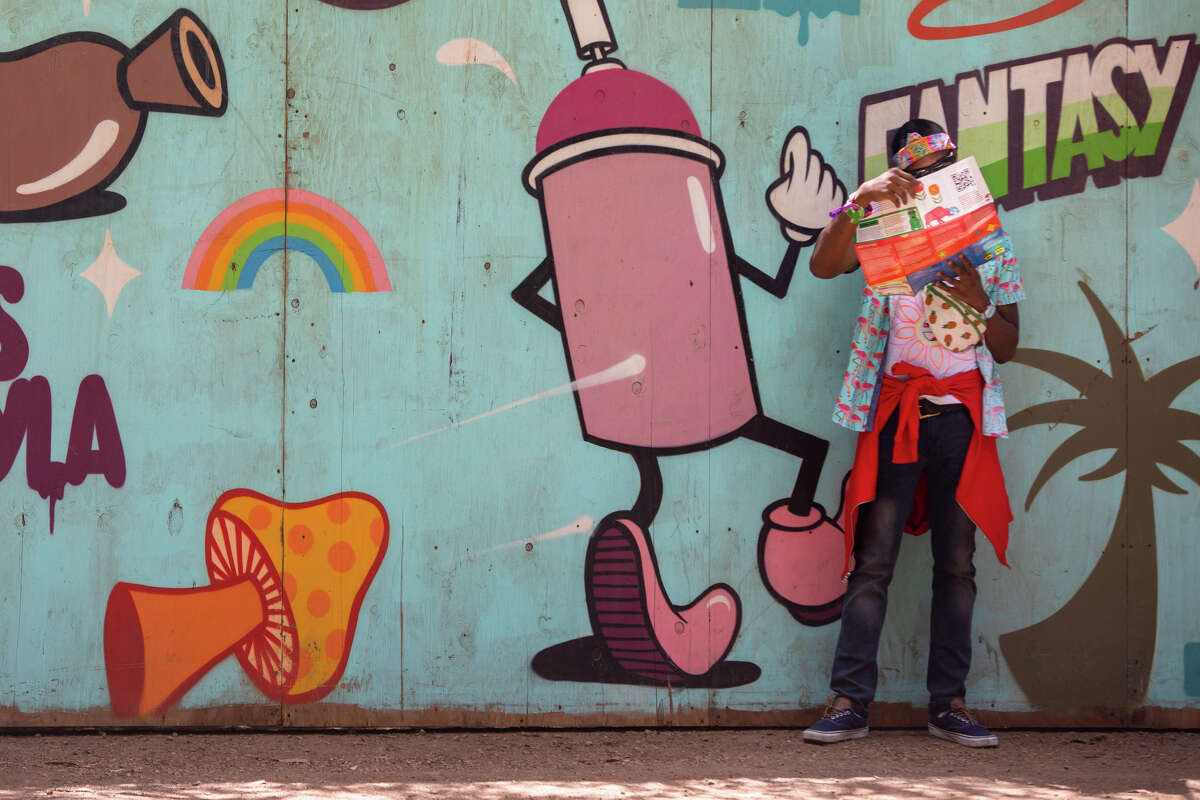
{"x": 807, "y": 190}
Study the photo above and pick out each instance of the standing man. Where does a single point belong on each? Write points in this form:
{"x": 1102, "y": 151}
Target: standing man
{"x": 928, "y": 417}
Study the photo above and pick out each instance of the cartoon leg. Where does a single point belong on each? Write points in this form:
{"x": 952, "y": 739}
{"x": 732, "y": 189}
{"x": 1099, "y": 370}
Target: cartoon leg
{"x": 811, "y": 449}
{"x": 801, "y": 551}
{"x": 650, "y": 488}
{"x": 641, "y": 630}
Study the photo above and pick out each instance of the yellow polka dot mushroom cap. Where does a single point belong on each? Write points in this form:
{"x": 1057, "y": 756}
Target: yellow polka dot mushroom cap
{"x": 322, "y": 554}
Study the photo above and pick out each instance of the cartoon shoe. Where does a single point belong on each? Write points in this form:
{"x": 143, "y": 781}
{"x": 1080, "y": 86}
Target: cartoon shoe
{"x": 800, "y": 559}
{"x": 643, "y": 632}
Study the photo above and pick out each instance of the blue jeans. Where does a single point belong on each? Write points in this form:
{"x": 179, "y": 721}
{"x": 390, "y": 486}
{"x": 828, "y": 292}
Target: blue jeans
{"x": 941, "y": 452}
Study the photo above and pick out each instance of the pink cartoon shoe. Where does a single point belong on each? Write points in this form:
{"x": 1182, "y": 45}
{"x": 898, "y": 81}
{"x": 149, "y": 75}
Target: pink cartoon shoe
{"x": 800, "y": 558}
{"x": 643, "y": 632}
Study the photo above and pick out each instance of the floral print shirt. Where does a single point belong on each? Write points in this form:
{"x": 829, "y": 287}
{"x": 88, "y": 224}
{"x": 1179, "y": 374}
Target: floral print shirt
{"x": 856, "y": 402}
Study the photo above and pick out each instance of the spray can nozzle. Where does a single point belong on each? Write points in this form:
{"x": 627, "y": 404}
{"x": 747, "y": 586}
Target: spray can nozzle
{"x": 590, "y": 28}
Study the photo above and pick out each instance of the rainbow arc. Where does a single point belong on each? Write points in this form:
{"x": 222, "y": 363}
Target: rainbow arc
{"x": 235, "y": 245}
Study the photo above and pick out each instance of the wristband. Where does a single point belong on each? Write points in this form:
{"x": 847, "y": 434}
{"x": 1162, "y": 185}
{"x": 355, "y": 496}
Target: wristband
{"x": 852, "y": 210}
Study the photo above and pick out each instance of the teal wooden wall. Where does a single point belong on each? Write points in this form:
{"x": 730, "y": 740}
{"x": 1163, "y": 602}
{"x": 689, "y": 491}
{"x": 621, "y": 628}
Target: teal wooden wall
{"x": 162, "y": 556}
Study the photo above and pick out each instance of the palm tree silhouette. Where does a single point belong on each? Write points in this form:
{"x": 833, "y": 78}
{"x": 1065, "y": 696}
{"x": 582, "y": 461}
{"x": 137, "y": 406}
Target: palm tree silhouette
{"x": 1095, "y": 653}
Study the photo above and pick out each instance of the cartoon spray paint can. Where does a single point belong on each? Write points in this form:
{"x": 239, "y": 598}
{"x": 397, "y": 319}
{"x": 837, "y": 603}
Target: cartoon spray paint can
{"x": 644, "y": 277}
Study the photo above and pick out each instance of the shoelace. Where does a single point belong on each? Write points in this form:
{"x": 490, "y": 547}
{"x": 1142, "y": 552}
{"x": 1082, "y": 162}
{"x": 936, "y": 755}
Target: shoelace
{"x": 962, "y": 714}
{"x": 833, "y": 713}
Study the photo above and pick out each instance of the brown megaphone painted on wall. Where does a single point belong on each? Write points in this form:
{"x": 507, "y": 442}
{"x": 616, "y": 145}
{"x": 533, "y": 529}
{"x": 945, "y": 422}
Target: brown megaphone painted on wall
{"x": 75, "y": 106}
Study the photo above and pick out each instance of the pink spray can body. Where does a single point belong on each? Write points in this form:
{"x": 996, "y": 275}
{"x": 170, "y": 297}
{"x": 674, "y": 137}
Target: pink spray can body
{"x": 635, "y": 228}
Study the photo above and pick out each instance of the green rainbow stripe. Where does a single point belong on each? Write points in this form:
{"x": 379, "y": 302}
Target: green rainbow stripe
{"x": 289, "y": 230}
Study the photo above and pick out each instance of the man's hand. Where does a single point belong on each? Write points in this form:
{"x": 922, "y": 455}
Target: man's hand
{"x": 834, "y": 251}
{"x": 895, "y": 185}
{"x": 1004, "y": 328}
{"x": 965, "y": 284}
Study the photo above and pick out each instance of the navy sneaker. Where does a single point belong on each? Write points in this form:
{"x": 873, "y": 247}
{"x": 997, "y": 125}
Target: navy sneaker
{"x": 837, "y": 725}
{"x": 955, "y": 723}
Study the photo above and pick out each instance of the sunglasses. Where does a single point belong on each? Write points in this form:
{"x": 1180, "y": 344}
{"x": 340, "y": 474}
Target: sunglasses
{"x": 946, "y": 160}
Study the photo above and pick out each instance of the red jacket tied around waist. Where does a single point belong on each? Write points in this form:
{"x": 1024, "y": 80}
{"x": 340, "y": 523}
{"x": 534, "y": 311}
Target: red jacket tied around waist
{"x": 980, "y": 493}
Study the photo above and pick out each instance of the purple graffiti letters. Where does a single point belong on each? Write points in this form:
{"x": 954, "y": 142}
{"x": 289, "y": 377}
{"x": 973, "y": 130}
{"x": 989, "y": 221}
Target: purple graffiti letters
{"x": 14, "y": 347}
{"x": 26, "y": 417}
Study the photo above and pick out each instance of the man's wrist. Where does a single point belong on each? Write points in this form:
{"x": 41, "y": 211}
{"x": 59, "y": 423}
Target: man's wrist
{"x": 851, "y": 211}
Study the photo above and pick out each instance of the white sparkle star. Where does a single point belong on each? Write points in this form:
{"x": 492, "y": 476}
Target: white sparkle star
{"x": 109, "y": 273}
{"x": 1186, "y": 227}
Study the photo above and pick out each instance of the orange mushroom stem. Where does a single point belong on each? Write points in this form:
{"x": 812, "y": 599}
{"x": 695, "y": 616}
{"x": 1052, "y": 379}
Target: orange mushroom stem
{"x": 159, "y": 642}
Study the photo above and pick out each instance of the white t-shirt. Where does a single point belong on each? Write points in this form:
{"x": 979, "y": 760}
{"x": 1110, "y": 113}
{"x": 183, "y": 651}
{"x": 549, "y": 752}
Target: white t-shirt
{"x": 910, "y": 339}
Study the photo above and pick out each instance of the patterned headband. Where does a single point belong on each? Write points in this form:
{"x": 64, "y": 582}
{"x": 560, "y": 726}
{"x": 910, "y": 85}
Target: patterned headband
{"x": 918, "y": 146}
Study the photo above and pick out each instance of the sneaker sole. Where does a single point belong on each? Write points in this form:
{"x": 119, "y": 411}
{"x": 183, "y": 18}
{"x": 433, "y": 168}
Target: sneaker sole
{"x": 965, "y": 741}
{"x": 820, "y": 737}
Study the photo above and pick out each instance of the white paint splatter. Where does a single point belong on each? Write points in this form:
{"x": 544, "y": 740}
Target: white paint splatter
{"x": 1186, "y": 227}
{"x": 109, "y": 273}
{"x": 103, "y": 137}
{"x": 584, "y": 524}
{"x": 625, "y": 369}
{"x": 461, "y": 52}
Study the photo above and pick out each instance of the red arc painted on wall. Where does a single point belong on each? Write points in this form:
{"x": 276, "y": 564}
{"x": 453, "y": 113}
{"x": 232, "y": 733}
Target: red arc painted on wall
{"x": 918, "y": 28}
{"x": 364, "y": 5}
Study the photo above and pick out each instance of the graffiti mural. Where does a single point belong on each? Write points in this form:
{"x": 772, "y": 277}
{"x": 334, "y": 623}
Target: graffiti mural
{"x": 27, "y": 417}
{"x": 109, "y": 273}
{"x": 287, "y": 583}
{"x": 242, "y": 237}
{"x": 807, "y": 188}
{"x": 364, "y": 5}
{"x": 1111, "y": 622}
{"x": 553, "y": 322}
{"x": 1042, "y": 126}
{"x": 77, "y": 111}
{"x": 1185, "y": 229}
{"x": 918, "y": 28}
{"x": 461, "y": 52}
{"x": 787, "y": 8}
{"x": 916, "y": 20}
{"x": 642, "y": 265}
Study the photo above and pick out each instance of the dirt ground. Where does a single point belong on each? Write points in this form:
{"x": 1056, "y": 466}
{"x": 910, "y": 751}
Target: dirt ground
{"x": 653, "y": 764}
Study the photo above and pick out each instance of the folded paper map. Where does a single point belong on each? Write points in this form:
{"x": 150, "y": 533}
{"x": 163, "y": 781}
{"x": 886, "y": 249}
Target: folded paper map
{"x": 903, "y": 248}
